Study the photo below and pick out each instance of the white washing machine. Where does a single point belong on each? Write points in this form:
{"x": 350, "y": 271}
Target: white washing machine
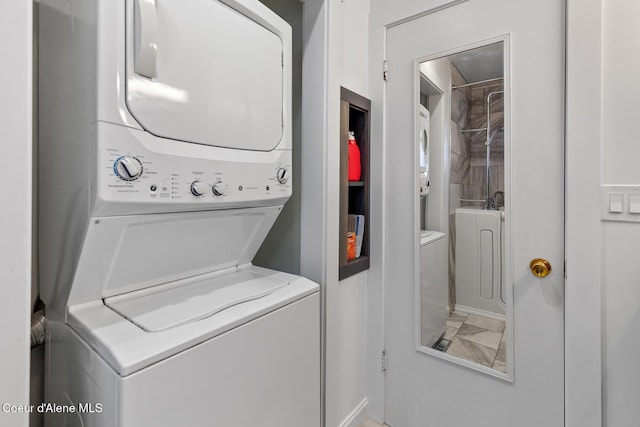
{"x": 165, "y": 158}
{"x": 434, "y": 286}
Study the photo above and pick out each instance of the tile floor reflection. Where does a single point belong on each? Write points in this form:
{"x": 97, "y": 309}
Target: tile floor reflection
{"x": 478, "y": 339}
{"x": 370, "y": 423}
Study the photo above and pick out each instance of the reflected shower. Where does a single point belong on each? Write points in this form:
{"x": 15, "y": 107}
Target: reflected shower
{"x": 491, "y": 197}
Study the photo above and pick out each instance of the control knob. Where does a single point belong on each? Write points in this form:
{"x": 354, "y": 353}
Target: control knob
{"x": 198, "y": 188}
{"x": 127, "y": 168}
{"x": 282, "y": 175}
{"x": 220, "y": 189}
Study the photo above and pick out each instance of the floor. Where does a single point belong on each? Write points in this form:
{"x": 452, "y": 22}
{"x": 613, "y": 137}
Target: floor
{"x": 477, "y": 339}
{"x": 370, "y": 423}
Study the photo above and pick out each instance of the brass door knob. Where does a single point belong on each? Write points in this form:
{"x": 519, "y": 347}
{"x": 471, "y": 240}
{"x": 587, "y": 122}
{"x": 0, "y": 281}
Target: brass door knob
{"x": 540, "y": 267}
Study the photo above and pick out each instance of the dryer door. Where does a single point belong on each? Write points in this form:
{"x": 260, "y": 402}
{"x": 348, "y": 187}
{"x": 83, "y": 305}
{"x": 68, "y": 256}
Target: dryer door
{"x": 203, "y": 72}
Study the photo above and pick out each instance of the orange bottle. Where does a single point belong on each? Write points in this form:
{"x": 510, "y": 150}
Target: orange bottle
{"x": 355, "y": 169}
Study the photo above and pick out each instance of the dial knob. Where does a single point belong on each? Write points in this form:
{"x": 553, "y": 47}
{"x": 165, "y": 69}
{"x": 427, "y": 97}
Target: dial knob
{"x": 220, "y": 189}
{"x": 127, "y": 168}
{"x": 198, "y": 188}
{"x": 282, "y": 175}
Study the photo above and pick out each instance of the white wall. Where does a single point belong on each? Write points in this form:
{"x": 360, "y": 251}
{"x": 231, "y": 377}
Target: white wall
{"x": 348, "y": 333}
{"x": 15, "y": 215}
{"x": 621, "y": 242}
{"x": 603, "y": 275}
{"x": 336, "y": 50}
{"x": 384, "y": 12}
{"x": 355, "y": 45}
{"x": 620, "y": 90}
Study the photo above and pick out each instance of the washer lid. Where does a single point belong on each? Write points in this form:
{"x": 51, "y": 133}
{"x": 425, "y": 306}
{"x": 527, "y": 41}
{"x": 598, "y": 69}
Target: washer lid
{"x": 127, "y": 348}
{"x": 179, "y": 302}
{"x": 203, "y": 72}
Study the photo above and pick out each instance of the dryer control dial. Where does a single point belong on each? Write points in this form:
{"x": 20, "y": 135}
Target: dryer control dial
{"x": 220, "y": 189}
{"x": 282, "y": 175}
{"x": 198, "y": 188}
{"x": 127, "y": 168}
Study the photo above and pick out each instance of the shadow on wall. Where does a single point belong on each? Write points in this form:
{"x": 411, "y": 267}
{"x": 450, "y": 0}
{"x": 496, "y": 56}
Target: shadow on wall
{"x": 281, "y": 249}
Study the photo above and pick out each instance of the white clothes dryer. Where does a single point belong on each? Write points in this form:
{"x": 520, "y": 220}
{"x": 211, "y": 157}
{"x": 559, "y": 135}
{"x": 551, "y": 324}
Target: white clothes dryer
{"x": 165, "y": 158}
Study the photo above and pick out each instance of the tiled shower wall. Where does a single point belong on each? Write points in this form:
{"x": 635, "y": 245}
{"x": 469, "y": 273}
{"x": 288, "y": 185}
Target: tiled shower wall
{"x": 468, "y": 150}
{"x": 478, "y": 119}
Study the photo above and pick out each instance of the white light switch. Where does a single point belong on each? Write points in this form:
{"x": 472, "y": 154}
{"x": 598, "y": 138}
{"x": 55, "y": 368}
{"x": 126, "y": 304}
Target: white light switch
{"x": 615, "y": 203}
{"x": 621, "y": 203}
{"x": 634, "y": 203}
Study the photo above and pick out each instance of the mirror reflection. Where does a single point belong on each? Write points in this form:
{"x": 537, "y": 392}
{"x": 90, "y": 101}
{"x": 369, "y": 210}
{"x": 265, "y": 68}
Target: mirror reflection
{"x": 461, "y": 180}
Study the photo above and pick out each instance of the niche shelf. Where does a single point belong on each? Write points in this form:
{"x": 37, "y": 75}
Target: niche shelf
{"x": 354, "y": 195}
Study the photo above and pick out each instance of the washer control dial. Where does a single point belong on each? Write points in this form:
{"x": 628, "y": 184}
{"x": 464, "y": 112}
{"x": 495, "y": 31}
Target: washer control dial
{"x": 282, "y": 175}
{"x": 199, "y": 188}
{"x": 127, "y": 168}
{"x": 220, "y": 189}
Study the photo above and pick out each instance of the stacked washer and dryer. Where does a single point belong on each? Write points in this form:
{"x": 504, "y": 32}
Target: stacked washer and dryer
{"x": 424, "y": 142}
{"x": 434, "y": 283}
{"x": 165, "y": 158}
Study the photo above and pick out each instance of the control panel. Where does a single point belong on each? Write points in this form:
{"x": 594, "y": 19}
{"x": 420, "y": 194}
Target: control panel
{"x": 129, "y": 172}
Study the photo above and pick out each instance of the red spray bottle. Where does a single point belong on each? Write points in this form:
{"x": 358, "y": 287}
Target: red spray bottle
{"x": 355, "y": 169}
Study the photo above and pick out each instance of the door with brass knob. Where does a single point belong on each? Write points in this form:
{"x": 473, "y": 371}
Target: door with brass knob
{"x": 540, "y": 267}
{"x": 502, "y": 363}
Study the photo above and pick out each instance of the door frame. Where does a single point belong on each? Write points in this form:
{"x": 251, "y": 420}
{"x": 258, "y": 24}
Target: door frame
{"x": 583, "y": 251}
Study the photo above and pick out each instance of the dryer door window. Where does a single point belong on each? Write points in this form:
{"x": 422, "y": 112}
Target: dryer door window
{"x": 202, "y": 72}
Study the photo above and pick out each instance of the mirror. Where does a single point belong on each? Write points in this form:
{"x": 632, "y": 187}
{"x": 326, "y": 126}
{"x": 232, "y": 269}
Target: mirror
{"x": 464, "y": 300}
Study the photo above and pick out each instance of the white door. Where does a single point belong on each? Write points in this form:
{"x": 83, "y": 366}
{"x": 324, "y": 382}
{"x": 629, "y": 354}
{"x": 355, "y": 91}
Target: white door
{"x": 427, "y": 391}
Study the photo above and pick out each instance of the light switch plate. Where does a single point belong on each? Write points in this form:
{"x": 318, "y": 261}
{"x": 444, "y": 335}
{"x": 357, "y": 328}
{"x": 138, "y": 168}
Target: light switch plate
{"x": 621, "y": 203}
{"x": 634, "y": 204}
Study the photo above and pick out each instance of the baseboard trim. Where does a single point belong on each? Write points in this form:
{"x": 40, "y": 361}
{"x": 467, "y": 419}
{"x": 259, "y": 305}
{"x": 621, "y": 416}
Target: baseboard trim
{"x": 472, "y": 310}
{"x": 357, "y": 416}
